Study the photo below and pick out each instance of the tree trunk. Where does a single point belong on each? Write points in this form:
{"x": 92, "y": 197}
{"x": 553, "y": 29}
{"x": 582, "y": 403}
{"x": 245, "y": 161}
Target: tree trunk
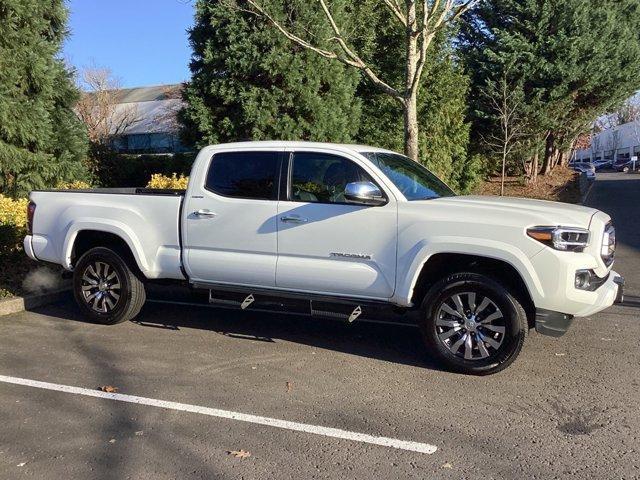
{"x": 534, "y": 169}
{"x": 504, "y": 167}
{"x": 547, "y": 163}
{"x": 411, "y": 128}
{"x": 562, "y": 158}
{"x": 411, "y": 87}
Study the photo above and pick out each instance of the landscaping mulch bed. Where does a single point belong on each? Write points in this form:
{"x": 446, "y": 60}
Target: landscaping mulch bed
{"x": 560, "y": 185}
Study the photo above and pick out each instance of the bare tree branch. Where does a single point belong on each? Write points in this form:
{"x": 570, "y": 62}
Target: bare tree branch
{"x": 395, "y": 9}
{"x": 99, "y": 107}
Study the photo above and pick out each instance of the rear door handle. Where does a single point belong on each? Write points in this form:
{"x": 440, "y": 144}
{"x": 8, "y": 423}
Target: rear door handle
{"x": 204, "y": 213}
{"x": 293, "y": 219}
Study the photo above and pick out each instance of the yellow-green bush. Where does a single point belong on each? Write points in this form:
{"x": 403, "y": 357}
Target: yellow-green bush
{"x": 75, "y": 185}
{"x": 164, "y": 181}
{"x": 13, "y": 222}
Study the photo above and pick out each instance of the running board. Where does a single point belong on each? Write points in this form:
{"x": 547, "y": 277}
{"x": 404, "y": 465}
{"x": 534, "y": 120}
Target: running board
{"x": 348, "y": 310}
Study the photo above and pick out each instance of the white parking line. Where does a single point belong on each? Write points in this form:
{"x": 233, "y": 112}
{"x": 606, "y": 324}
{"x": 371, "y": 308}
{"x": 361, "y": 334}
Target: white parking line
{"x": 243, "y": 417}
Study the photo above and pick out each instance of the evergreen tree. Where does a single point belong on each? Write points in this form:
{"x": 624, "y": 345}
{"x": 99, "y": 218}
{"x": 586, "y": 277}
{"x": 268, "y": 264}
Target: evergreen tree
{"x": 41, "y": 140}
{"x": 249, "y": 82}
{"x": 572, "y": 59}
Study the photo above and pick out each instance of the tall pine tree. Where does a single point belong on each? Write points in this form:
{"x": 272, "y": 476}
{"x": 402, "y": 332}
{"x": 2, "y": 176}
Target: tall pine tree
{"x": 572, "y": 59}
{"x": 249, "y": 82}
{"x": 41, "y": 140}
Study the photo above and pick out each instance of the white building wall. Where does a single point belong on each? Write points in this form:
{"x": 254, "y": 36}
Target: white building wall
{"x": 620, "y": 142}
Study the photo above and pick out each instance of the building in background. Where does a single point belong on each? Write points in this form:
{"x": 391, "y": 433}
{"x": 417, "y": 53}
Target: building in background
{"x": 151, "y": 122}
{"x": 616, "y": 144}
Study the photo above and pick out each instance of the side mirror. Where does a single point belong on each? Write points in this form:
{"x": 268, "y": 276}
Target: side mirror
{"x": 363, "y": 193}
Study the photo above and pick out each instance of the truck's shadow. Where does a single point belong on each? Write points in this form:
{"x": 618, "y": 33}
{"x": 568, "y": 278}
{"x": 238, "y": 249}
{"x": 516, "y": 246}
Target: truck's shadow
{"x": 391, "y": 343}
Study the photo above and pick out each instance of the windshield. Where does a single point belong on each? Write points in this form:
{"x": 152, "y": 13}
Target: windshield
{"x": 412, "y": 179}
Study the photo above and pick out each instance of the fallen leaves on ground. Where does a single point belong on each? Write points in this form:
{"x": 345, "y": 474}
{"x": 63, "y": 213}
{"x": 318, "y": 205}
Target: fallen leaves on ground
{"x": 108, "y": 388}
{"x": 289, "y": 386}
{"x": 239, "y": 453}
{"x": 447, "y": 465}
{"x": 561, "y": 185}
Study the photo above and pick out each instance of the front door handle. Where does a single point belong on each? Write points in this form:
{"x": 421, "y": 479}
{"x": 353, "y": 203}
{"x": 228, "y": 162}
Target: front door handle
{"x": 293, "y": 219}
{"x": 204, "y": 213}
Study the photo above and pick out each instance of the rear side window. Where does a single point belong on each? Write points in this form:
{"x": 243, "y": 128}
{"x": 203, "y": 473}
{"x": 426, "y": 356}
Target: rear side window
{"x": 250, "y": 175}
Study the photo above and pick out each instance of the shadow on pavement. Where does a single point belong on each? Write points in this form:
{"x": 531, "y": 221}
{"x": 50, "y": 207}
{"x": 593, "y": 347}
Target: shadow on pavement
{"x": 398, "y": 344}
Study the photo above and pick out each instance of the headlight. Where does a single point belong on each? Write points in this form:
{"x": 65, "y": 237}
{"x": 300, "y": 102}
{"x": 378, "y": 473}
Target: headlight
{"x": 608, "y": 248}
{"x": 569, "y": 239}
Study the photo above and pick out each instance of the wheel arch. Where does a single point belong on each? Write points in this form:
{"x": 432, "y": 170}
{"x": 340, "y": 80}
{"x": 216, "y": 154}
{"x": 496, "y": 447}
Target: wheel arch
{"x": 442, "y": 264}
{"x": 83, "y": 240}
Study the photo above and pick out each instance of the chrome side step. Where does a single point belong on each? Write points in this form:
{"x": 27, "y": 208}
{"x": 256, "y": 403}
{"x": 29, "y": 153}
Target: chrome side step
{"x": 348, "y": 310}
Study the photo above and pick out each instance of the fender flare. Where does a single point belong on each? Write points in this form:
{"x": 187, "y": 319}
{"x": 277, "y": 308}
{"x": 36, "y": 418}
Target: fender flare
{"x": 114, "y": 227}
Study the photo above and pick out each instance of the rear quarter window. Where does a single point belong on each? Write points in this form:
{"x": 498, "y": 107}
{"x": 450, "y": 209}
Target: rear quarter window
{"x": 251, "y": 175}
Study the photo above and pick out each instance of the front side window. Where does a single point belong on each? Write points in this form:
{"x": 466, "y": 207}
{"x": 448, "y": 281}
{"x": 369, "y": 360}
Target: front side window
{"x": 322, "y": 178}
{"x": 412, "y": 179}
{"x": 250, "y": 175}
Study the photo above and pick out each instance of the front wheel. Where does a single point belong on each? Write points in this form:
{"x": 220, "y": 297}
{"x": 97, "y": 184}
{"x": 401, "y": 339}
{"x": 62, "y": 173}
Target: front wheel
{"x": 105, "y": 288}
{"x": 472, "y": 324}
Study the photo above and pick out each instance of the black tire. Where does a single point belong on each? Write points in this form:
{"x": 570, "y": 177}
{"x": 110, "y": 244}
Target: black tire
{"x": 442, "y": 334}
{"x": 95, "y": 292}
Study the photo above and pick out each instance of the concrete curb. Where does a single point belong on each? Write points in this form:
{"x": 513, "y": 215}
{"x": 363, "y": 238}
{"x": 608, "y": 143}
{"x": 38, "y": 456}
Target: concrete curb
{"x": 585, "y": 186}
{"x": 19, "y": 304}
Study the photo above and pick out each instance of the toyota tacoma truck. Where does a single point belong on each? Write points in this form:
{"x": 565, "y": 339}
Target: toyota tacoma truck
{"x": 337, "y": 231}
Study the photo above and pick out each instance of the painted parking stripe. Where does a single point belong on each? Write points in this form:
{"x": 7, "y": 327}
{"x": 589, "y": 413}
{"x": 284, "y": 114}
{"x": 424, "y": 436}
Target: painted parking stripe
{"x": 243, "y": 417}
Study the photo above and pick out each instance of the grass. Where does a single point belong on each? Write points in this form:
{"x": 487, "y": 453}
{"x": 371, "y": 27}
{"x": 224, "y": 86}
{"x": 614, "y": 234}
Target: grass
{"x": 561, "y": 185}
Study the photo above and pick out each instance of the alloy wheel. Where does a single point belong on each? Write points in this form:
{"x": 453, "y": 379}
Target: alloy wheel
{"x": 101, "y": 287}
{"x": 470, "y": 325}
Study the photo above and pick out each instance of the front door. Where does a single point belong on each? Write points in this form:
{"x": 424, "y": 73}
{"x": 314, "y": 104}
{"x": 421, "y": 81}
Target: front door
{"x": 229, "y": 221}
{"x": 326, "y": 245}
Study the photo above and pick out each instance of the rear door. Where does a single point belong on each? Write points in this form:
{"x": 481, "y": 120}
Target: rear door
{"x": 230, "y": 219}
{"x": 326, "y": 245}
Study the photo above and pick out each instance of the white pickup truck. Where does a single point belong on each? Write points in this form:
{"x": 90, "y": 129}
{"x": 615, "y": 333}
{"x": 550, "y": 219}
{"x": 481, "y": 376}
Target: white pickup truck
{"x": 340, "y": 231}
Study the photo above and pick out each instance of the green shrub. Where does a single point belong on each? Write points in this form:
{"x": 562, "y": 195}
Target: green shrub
{"x": 13, "y": 223}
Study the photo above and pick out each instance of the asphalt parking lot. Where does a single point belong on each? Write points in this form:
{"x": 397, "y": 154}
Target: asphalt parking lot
{"x": 568, "y": 407}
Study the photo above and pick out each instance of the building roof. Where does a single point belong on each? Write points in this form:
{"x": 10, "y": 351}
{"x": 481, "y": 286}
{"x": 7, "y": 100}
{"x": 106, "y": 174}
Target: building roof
{"x": 153, "y": 108}
{"x": 149, "y": 94}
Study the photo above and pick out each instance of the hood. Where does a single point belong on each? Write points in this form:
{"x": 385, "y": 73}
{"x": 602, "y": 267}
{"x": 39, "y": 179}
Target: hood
{"x": 529, "y": 211}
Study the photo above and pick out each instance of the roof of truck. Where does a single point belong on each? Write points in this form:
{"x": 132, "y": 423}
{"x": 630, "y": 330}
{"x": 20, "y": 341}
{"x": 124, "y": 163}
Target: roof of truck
{"x": 292, "y": 144}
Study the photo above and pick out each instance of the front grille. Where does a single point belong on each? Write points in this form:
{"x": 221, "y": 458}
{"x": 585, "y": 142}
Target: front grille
{"x": 608, "y": 249}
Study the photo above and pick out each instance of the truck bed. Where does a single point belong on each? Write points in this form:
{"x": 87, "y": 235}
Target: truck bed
{"x": 147, "y": 219}
{"x": 122, "y": 191}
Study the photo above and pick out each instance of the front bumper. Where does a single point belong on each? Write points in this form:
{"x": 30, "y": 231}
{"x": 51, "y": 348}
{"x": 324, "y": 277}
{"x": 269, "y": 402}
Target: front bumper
{"x": 556, "y": 324}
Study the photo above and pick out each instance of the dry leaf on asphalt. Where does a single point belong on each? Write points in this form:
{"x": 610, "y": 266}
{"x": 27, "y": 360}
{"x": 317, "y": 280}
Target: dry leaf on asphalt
{"x": 447, "y": 465}
{"x": 289, "y": 386}
{"x": 239, "y": 453}
{"x": 108, "y": 388}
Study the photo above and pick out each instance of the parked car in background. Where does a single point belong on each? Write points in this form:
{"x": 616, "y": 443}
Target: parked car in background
{"x": 601, "y": 164}
{"x": 623, "y": 165}
{"x": 347, "y": 232}
{"x": 585, "y": 167}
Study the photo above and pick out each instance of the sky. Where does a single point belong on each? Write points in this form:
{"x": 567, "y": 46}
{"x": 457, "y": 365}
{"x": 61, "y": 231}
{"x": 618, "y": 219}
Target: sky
{"x": 143, "y": 42}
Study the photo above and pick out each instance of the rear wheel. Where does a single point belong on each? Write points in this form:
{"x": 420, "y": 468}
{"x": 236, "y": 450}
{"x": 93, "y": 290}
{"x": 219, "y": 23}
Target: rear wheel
{"x": 105, "y": 288}
{"x": 472, "y": 324}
